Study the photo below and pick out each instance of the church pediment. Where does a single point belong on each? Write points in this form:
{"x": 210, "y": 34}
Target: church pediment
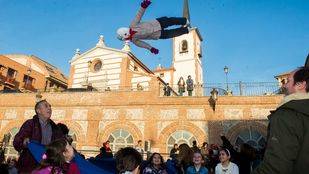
{"x": 97, "y": 52}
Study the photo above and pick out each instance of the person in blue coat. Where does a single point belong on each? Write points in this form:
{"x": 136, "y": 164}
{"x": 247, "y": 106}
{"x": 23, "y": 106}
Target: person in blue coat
{"x": 198, "y": 166}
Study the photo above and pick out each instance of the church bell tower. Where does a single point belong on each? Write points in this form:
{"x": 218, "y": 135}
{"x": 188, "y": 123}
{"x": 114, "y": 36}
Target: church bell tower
{"x": 187, "y": 55}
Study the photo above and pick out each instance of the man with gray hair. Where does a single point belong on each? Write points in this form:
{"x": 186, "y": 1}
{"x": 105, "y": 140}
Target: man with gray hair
{"x": 41, "y": 129}
{"x": 287, "y": 150}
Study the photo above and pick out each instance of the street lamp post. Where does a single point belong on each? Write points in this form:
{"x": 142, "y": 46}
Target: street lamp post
{"x": 226, "y": 71}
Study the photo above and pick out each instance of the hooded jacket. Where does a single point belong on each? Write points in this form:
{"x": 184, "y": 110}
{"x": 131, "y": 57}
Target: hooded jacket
{"x": 144, "y": 30}
{"x": 287, "y": 149}
{"x": 31, "y": 129}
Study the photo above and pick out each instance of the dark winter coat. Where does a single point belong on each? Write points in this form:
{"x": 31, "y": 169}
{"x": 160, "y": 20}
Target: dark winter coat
{"x": 287, "y": 150}
{"x": 167, "y": 90}
{"x": 31, "y": 129}
{"x": 189, "y": 83}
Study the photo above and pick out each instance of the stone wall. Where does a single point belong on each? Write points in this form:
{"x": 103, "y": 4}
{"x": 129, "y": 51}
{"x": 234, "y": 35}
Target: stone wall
{"x": 93, "y": 116}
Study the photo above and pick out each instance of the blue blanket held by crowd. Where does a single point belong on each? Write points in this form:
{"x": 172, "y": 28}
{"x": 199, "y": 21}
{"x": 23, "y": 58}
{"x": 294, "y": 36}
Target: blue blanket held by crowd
{"x": 96, "y": 166}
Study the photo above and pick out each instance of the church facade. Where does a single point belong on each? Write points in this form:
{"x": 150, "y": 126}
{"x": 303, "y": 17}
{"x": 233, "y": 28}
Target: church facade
{"x": 103, "y": 68}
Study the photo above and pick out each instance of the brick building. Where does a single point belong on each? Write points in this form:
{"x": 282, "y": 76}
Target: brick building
{"x": 29, "y": 74}
{"x": 125, "y": 117}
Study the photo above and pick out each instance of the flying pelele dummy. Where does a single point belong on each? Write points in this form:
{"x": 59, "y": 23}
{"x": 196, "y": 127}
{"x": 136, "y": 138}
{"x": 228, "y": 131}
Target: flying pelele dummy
{"x": 152, "y": 30}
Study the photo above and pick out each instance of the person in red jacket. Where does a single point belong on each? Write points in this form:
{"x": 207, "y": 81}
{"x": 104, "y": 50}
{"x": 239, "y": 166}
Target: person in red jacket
{"x": 152, "y": 30}
{"x": 41, "y": 129}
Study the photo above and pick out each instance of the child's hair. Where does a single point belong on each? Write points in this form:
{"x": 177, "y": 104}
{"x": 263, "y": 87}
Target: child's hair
{"x": 227, "y": 152}
{"x": 54, "y": 156}
{"x": 64, "y": 128}
{"x": 65, "y": 131}
{"x": 127, "y": 159}
{"x": 185, "y": 154}
{"x": 152, "y": 156}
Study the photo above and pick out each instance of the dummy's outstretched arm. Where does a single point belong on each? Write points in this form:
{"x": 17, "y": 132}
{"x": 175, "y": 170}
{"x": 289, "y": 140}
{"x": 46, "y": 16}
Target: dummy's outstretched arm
{"x": 143, "y": 44}
{"x": 140, "y": 12}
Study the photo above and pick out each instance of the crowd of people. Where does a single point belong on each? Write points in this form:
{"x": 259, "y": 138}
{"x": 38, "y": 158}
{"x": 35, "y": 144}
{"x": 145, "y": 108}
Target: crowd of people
{"x": 218, "y": 158}
{"x": 190, "y": 160}
{"x": 183, "y": 159}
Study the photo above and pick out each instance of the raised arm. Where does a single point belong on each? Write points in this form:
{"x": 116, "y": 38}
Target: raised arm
{"x": 140, "y": 12}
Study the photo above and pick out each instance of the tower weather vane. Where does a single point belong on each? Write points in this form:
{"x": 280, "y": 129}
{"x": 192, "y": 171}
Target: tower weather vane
{"x": 152, "y": 30}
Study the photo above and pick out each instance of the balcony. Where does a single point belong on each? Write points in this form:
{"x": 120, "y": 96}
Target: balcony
{"x": 235, "y": 89}
{"x": 29, "y": 87}
{"x": 11, "y": 81}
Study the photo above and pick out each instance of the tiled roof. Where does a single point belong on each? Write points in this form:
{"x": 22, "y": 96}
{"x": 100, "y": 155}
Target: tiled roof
{"x": 50, "y": 70}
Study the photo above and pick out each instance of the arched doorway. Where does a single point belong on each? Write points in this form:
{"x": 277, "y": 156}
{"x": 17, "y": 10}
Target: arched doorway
{"x": 120, "y": 138}
{"x": 251, "y": 137}
{"x": 180, "y": 137}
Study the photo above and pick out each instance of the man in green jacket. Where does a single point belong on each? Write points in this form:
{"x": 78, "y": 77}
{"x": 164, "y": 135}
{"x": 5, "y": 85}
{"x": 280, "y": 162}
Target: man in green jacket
{"x": 287, "y": 150}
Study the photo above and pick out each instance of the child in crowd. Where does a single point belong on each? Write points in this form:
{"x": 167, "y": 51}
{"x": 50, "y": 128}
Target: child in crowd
{"x": 180, "y": 164}
{"x": 225, "y": 166}
{"x": 128, "y": 161}
{"x": 175, "y": 151}
{"x": 57, "y": 159}
{"x": 185, "y": 157}
{"x": 156, "y": 165}
{"x": 198, "y": 161}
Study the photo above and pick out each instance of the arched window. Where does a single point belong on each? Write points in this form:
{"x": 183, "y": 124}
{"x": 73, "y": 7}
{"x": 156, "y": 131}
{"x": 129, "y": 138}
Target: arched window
{"x": 251, "y": 137}
{"x": 10, "y": 151}
{"x": 184, "y": 46}
{"x": 119, "y": 139}
{"x": 97, "y": 66}
{"x": 180, "y": 137}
